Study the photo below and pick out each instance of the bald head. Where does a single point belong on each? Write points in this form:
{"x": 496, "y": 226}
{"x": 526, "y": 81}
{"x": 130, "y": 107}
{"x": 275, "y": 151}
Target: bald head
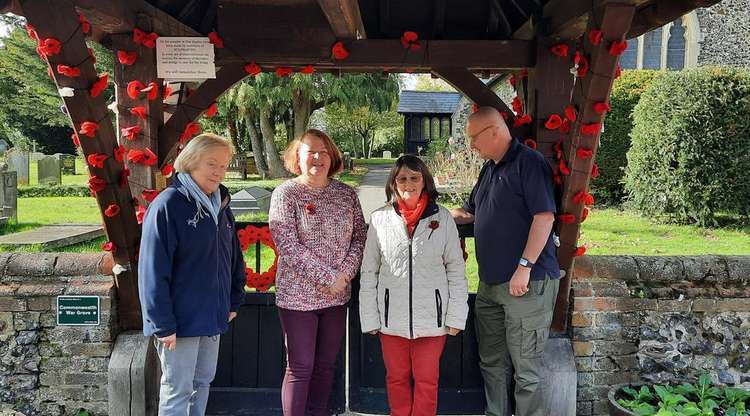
{"x": 487, "y": 133}
{"x": 485, "y": 117}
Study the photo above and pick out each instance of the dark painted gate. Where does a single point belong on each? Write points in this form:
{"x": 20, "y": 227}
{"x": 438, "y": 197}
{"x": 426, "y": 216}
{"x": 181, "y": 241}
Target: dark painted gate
{"x": 460, "y": 389}
{"x": 252, "y": 362}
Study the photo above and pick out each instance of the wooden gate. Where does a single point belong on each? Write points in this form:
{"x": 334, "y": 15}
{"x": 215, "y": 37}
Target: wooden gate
{"x": 460, "y": 391}
{"x": 252, "y": 360}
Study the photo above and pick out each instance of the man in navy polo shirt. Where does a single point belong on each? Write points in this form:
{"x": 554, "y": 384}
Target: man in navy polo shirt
{"x": 512, "y": 207}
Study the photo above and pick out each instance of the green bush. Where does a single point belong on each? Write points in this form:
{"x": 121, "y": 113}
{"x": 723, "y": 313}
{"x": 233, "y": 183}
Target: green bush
{"x": 56, "y": 190}
{"x": 615, "y": 139}
{"x": 690, "y": 155}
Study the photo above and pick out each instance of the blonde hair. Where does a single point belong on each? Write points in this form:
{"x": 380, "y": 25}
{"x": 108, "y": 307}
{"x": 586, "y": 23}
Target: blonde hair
{"x": 189, "y": 157}
{"x": 291, "y": 154}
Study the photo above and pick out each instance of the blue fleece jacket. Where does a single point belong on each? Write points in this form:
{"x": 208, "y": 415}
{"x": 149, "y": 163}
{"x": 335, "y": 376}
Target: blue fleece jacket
{"x": 191, "y": 274}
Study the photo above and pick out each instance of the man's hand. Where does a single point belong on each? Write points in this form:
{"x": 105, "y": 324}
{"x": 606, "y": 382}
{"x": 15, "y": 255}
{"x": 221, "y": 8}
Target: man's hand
{"x": 519, "y": 283}
{"x": 453, "y": 331}
{"x": 170, "y": 341}
{"x": 232, "y": 315}
{"x": 461, "y": 216}
{"x": 373, "y": 332}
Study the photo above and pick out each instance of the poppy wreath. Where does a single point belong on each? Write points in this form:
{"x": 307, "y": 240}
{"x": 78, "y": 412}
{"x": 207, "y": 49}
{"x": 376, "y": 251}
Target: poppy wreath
{"x": 248, "y": 236}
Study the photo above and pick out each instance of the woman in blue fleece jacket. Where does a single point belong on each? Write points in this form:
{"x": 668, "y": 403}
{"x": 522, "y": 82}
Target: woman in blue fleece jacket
{"x": 191, "y": 274}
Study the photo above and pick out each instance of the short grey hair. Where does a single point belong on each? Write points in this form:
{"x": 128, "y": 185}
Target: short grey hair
{"x": 188, "y": 159}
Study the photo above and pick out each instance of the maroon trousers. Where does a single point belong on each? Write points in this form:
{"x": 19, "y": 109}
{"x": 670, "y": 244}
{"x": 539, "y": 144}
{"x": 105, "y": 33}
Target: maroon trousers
{"x": 412, "y": 358}
{"x": 313, "y": 340}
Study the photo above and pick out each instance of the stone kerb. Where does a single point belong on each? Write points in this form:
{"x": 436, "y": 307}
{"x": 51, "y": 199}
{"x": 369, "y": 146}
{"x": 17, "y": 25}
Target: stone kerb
{"x": 44, "y": 368}
{"x": 660, "y": 319}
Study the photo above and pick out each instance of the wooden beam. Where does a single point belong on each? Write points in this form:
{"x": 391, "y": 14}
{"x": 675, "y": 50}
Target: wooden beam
{"x": 344, "y": 18}
{"x": 475, "y": 55}
{"x": 195, "y": 105}
{"x": 10, "y": 6}
{"x": 121, "y": 16}
{"x": 552, "y": 91}
{"x": 59, "y": 20}
{"x": 614, "y": 21}
{"x": 143, "y": 70}
{"x": 472, "y": 87}
{"x": 659, "y": 13}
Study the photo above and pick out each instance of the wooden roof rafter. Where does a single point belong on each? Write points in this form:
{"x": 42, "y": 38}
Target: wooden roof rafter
{"x": 344, "y": 18}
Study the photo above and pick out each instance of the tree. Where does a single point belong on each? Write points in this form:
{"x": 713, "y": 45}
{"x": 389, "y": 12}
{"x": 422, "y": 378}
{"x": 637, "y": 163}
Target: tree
{"x": 31, "y": 106}
{"x": 266, "y": 101}
{"x": 359, "y": 125}
{"x": 425, "y": 82}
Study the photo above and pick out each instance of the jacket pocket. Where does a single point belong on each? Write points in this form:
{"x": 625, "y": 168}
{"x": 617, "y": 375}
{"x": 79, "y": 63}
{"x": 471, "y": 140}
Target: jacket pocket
{"x": 386, "y": 301}
{"x": 439, "y": 308}
{"x": 534, "y": 333}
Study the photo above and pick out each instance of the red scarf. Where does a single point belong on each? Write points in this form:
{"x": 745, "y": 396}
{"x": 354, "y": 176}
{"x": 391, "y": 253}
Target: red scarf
{"x": 412, "y": 216}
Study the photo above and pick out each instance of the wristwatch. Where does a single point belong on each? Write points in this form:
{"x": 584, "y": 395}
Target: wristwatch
{"x": 524, "y": 262}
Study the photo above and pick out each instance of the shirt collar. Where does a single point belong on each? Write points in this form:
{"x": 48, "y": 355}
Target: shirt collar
{"x": 515, "y": 147}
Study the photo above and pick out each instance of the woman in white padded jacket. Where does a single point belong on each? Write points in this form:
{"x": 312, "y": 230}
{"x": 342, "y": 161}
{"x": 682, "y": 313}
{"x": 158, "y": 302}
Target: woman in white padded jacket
{"x": 413, "y": 288}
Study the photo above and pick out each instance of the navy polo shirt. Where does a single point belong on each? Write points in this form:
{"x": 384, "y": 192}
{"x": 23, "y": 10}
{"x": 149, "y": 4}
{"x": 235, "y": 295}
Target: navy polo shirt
{"x": 504, "y": 201}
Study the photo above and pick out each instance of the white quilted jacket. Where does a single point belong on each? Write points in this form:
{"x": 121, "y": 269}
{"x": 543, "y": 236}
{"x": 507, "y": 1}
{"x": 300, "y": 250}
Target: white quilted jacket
{"x": 420, "y": 301}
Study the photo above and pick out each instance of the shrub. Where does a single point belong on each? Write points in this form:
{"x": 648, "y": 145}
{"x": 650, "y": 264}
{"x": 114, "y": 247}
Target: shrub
{"x": 699, "y": 398}
{"x": 689, "y": 158}
{"x": 615, "y": 139}
{"x": 55, "y": 190}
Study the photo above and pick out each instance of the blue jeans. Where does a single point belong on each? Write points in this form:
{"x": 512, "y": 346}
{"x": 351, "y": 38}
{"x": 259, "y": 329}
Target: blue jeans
{"x": 186, "y": 375}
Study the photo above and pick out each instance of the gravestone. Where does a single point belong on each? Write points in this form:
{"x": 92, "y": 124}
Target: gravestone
{"x": 4, "y": 146}
{"x": 8, "y": 195}
{"x": 18, "y": 161}
{"x": 348, "y": 161}
{"x": 387, "y": 154}
{"x": 251, "y": 200}
{"x": 36, "y": 156}
{"x": 68, "y": 163}
{"x": 252, "y": 169}
{"x": 49, "y": 171}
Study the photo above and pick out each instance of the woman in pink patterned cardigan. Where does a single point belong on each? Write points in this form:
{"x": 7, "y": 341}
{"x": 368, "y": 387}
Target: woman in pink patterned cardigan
{"x": 317, "y": 225}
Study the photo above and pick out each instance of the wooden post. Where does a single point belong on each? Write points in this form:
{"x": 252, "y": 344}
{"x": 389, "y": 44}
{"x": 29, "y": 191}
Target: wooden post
{"x": 57, "y": 20}
{"x": 614, "y": 21}
{"x": 143, "y": 70}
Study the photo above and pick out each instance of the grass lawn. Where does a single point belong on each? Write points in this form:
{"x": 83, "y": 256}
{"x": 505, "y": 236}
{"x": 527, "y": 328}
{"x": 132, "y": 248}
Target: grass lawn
{"x": 613, "y": 231}
{"x": 374, "y": 161}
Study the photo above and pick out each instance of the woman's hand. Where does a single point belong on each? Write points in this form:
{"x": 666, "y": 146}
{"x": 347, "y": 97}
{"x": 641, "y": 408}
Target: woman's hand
{"x": 232, "y": 315}
{"x": 170, "y": 341}
{"x": 339, "y": 286}
{"x": 453, "y": 331}
{"x": 373, "y": 332}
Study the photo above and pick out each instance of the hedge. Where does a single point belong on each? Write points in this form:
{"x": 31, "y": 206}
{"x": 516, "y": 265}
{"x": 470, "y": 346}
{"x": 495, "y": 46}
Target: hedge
{"x": 615, "y": 139}
{"x": 82, "y": 190}
{"x": 690, "y": 154}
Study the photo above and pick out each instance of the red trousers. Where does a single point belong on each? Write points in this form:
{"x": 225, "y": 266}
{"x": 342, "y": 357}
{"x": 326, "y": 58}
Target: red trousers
{"x": 412, "y": 358}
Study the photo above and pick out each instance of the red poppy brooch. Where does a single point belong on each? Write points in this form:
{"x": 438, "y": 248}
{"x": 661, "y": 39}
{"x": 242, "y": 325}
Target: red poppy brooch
{"x": 310, "y": 209}
{"x": 434, "y": 225}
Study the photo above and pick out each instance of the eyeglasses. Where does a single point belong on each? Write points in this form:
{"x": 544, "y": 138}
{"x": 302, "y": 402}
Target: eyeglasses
{"x": 401, "y": 180}
{"x": 474, "y": 136}
{"x": 315, "y": 153}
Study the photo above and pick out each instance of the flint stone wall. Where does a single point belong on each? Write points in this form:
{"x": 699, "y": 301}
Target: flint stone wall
{"x": 659, "y": 319}
{"x": 46, "y": 369}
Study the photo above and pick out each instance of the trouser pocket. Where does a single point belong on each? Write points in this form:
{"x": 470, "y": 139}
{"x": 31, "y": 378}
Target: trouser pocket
{"x": 439, "y": 308}
{"x": 386, "y": 301}
{"x": 534, "y": 333}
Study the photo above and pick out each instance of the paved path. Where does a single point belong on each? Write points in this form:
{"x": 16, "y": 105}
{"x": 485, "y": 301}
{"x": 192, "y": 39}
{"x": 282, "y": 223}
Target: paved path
{"x": 372, "y": 189}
